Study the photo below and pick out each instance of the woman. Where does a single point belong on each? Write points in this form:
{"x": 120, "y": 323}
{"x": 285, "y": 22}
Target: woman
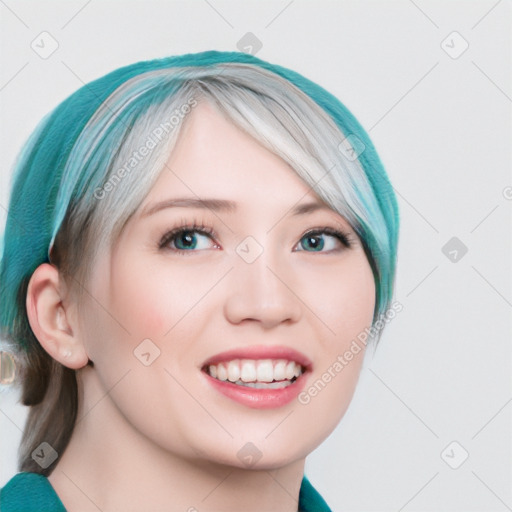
{"x": 192, "y": 246}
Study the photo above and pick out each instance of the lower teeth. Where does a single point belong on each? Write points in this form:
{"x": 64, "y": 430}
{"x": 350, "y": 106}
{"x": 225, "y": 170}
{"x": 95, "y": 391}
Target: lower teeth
{"x": 265, "y": 385}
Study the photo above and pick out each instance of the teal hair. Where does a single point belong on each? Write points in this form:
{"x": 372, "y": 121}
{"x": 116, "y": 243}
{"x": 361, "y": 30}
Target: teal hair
{"x": 45, "y": 184}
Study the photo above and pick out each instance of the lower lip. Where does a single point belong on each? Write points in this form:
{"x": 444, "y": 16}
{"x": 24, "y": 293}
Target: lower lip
{"x": 259, "y": 398}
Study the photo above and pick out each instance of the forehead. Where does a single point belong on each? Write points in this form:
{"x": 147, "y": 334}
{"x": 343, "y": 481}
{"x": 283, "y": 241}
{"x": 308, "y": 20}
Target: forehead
{"x": 215, "y": 158}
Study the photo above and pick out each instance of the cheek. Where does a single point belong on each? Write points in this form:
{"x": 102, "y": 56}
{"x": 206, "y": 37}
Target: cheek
{"x": 344, "y": 301}
{"x": 343, "y": 297}
{"x": 153, "y": 300}
{"x": 141, "y": 298}
{"x": 125, "y": 306}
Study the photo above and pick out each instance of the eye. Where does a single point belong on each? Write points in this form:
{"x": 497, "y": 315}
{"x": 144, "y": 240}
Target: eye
{"x": 325, "y": 238}
{"x": 188, "y": 239}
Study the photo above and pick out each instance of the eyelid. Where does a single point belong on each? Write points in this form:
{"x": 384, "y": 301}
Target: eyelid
{"x": 196, "y": 227}
{"x": 346, "y": 238}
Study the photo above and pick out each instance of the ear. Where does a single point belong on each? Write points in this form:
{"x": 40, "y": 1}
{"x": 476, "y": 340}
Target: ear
{"x": 51, "y": 320}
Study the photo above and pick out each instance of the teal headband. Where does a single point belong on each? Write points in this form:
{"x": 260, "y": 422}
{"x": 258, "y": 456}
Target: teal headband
{"x": 35, "y": 216}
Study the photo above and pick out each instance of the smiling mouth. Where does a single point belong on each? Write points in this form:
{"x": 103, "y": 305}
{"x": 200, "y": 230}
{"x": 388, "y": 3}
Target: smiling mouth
{"x": 257, "y": 374}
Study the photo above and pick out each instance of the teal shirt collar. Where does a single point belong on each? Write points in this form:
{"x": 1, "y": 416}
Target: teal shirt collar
{"x": 32, "y": 491}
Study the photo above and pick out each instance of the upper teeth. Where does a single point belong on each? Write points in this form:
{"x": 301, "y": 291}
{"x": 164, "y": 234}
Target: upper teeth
{"x": 249, "y": 370}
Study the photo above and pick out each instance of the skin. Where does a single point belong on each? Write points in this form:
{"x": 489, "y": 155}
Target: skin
{"x": 159, "y": 437}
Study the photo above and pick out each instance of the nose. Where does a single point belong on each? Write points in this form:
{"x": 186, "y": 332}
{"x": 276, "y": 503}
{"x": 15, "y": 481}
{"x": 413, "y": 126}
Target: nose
{"x": 263, "y": 291}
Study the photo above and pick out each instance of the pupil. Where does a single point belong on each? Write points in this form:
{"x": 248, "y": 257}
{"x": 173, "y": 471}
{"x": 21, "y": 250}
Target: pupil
{"x": 315, "y": 241}
{"x": 186, "y": 236}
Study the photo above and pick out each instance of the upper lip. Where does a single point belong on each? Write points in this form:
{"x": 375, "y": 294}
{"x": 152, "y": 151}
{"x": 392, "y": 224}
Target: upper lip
{"x": 261, "y": 352}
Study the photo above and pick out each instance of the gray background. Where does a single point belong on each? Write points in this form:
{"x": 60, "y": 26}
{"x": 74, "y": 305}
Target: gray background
{"x": 441, "y": 123}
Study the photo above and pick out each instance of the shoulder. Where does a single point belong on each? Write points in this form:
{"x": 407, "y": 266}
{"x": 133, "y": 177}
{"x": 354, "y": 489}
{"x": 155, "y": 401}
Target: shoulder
{"x": 310, "y": 499}
{"x": 28, "y": 491}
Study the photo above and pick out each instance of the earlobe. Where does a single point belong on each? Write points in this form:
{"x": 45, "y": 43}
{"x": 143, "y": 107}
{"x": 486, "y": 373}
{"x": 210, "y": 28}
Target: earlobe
{"x": 50, "y": 320}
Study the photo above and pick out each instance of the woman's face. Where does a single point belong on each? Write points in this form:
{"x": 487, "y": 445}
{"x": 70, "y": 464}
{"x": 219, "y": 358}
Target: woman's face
{"x": 164, "y": 306}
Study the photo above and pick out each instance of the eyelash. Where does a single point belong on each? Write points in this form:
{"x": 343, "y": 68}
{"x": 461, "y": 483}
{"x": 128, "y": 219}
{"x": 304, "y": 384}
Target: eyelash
{"x": 196, "y": 226}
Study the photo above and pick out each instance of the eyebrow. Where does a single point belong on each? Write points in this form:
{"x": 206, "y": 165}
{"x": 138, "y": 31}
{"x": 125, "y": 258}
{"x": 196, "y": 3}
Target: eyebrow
{"x": 220, "y": 205}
